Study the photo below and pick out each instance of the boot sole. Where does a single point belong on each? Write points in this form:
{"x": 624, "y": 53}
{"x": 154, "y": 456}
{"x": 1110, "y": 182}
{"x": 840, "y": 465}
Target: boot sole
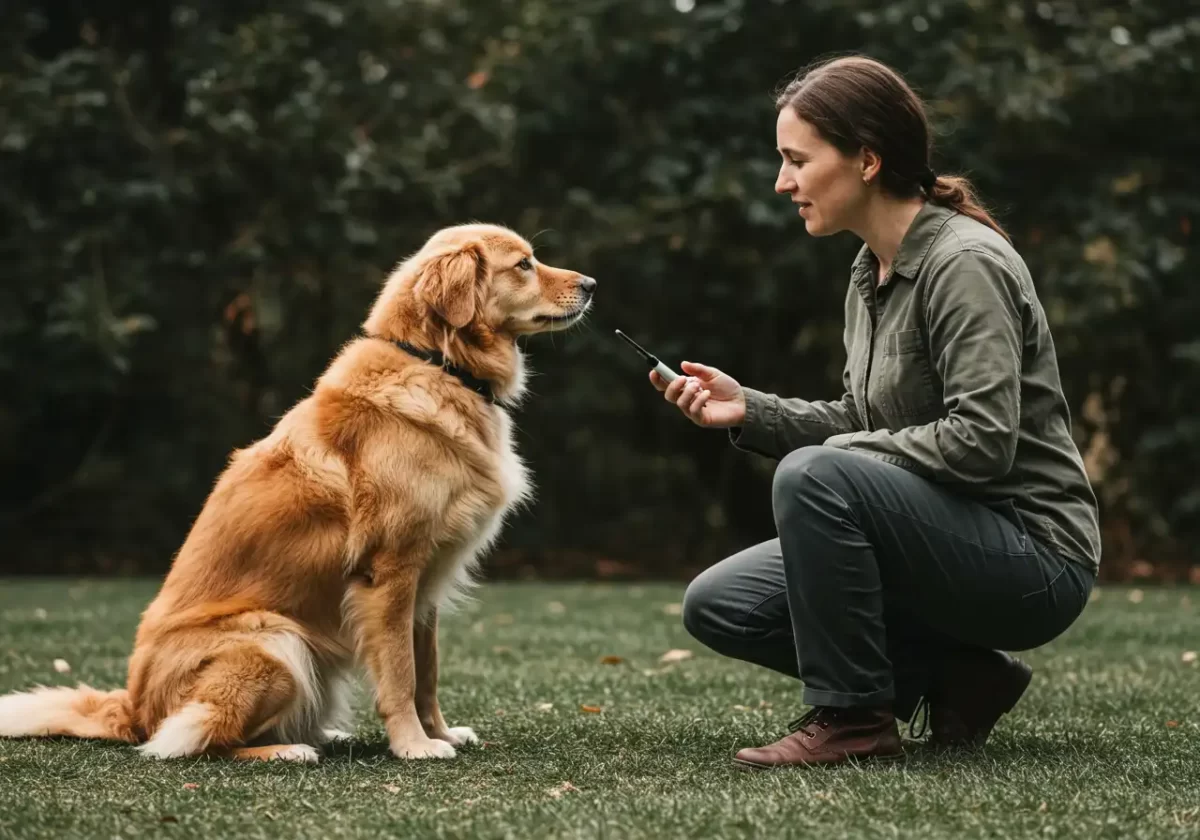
{"x": 753, "y": 767}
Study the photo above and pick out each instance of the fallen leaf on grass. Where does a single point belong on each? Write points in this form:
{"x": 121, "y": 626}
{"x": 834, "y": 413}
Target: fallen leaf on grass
{"x": 611, "y": 660}
{"x": 62, "y": 666}
{"x": 673, "y": 609}
{"x": 167, "y": 818}
{"x": 1095, "y": 596}
{"x": 1142, "y": 569}
{"x": 1172, "y": 724}
{"x": 504, "y": 618}
{"x": 739, "y": 707}
{"x": 556, "y": 607}
{"x": 478, "y": 79}
{"x": 1137, "y": 596}
{"x": 1043, "y": 808}
{"x": 594, "y": 710}
{"x": 501, "y": 649}
{"x": 39, "y": 614}
{"x": 190, "y": 785}
{"x": 676, "y": 655}
{"x": 544, "y": 707}
{"x": 564, "y": 788}
{"x": 1189, "y": 656}
{"x": 391, "y": 788}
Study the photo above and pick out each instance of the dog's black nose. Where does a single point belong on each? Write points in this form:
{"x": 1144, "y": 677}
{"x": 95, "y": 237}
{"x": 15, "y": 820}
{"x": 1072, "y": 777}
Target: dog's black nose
{"x": 588, "y": 284}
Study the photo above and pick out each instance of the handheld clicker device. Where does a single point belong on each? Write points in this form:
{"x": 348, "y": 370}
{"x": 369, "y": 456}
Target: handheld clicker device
{"x": 652, "y": 360}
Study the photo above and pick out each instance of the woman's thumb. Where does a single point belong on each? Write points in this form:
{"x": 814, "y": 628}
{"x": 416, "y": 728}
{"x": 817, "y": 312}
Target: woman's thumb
{"x": 703, "y": 371}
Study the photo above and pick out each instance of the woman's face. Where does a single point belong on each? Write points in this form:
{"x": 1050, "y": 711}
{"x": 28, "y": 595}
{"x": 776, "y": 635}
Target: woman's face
{"x": 828, "y": 186}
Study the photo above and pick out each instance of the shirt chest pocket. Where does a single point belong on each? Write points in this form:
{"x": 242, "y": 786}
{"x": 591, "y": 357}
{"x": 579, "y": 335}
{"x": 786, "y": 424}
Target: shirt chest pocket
{"x": 902, "y": 381}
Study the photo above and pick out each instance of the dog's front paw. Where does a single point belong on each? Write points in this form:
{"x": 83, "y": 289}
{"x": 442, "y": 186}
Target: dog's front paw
{"x": 428, "y": 748}
{"x": 459, "y": 735}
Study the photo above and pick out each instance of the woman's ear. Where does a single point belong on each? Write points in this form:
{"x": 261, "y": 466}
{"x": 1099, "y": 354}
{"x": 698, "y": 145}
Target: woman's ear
{"x": 447, "y": 282}
{"x": 870, "y": 163}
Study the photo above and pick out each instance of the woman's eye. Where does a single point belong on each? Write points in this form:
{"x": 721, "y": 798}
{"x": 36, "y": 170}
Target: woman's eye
{"x": 525, "y": 264}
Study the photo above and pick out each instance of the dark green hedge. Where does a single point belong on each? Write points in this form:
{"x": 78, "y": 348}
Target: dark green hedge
{"x": 200, "y": 200}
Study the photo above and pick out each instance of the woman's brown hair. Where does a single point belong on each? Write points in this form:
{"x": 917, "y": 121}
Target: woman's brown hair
{"x": 856, "y": 102}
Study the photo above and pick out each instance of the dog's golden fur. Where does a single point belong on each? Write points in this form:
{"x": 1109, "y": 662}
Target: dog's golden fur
{"x": 336, "y": 538}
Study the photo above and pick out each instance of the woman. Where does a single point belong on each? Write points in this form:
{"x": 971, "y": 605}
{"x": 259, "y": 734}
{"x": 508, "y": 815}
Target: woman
{"x": 939, "y": 511}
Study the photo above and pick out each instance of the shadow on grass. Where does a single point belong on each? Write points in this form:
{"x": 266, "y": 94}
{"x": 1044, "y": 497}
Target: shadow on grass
{"x": 1012, "y": 752}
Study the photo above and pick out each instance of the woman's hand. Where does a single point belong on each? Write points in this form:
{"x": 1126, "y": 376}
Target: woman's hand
{"x": 708, "y": 397}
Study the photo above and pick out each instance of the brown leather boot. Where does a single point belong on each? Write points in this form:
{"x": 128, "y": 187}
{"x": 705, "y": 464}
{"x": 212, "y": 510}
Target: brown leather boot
{"x": 828, "y": 735}
{"x": 972, "y": 691}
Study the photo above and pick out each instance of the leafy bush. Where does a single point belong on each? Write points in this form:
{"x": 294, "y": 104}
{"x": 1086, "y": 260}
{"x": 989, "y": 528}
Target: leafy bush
{"x": 201, "y": 200}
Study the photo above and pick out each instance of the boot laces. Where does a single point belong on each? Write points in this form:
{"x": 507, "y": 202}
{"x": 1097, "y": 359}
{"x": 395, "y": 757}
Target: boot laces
{"x": 917, "y": 730}
{"x": 818, "y": 717}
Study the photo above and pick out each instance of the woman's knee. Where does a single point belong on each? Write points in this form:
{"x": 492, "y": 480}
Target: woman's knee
{"x": 805, "y": 470}
{"x": 701, "y": 607}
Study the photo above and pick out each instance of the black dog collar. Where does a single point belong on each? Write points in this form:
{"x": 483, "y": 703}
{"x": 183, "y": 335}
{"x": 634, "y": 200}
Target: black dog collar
{"x": 435, "y": 357}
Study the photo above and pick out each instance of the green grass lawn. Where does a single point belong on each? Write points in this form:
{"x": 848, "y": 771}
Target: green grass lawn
{"x": 1106, "y": 743}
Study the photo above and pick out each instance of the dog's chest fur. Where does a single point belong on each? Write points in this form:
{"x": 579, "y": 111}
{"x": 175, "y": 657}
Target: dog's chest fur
{"x": 511, "y": 475}
{"x": 477, "y": 517}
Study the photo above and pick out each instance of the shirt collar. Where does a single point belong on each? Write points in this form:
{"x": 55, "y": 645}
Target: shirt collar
{"x": 914, "y": 246}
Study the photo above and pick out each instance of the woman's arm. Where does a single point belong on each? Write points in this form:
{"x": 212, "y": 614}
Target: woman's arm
{"x": 757, "y": 422}
{"x": 774, "y": 426}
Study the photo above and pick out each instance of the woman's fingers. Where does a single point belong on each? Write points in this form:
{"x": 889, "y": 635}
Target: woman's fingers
{"x": 686, "y": 392}
{"x": 690, "y": 390}
{"x": 689, "y": 393}
{"x": 675, "y": 389}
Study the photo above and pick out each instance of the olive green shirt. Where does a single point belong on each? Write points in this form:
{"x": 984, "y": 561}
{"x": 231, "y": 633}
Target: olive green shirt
{"x": 951, "y": 374}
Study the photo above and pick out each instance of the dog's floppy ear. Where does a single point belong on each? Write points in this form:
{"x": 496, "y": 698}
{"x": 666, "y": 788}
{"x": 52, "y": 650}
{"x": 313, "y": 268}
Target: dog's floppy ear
{"x": 448, "y": 282}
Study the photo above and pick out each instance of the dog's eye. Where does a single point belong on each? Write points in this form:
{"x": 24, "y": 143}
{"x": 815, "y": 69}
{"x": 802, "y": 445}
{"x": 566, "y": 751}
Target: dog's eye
{"x": 525, "y": 264}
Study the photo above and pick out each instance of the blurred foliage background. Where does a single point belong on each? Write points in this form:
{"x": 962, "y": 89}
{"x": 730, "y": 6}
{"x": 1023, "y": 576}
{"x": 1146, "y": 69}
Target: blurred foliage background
{"x": 200, "y": 200}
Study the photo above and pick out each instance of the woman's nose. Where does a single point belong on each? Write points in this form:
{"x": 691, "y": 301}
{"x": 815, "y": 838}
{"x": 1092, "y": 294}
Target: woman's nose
{"x": 784, "y": 184}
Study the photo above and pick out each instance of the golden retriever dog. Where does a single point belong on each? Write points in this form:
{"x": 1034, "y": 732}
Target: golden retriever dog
{"x": 337, "y": 537}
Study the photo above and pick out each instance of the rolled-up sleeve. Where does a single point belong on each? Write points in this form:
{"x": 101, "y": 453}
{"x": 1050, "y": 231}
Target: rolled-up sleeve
{"x": 775, "y": 426}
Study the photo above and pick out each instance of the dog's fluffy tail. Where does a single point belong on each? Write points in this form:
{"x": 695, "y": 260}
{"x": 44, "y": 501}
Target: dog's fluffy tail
{"x": 79, "y": 712}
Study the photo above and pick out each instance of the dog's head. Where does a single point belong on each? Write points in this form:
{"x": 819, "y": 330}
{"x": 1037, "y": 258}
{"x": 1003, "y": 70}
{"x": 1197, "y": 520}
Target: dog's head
{"x": 487, "y": 276}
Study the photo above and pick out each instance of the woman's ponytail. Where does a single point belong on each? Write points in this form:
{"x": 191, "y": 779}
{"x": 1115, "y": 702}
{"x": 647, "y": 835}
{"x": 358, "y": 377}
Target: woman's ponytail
{"x": 957, "y": 194}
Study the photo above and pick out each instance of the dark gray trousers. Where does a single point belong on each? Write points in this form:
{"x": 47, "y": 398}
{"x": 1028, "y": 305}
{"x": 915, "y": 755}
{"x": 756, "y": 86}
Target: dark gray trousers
{"x": 876, "y": 575}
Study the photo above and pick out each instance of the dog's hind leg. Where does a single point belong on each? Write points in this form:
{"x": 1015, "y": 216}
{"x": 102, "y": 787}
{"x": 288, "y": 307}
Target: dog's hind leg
{"x": 278, "y": 752}
{"x": 240, "y": 694}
